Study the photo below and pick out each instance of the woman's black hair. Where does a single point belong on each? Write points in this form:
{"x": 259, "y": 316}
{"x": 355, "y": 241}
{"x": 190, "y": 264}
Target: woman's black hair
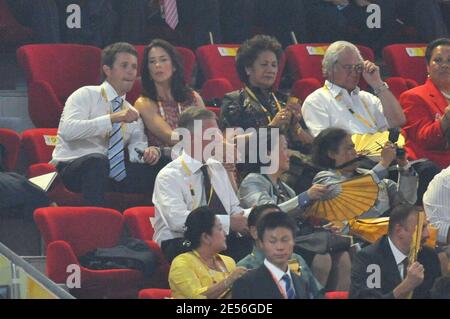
{"x": 328, "y": 140}
{"x": 433, "y": 45}
{"x": 200, "y": 221}
{"x": 181, "y": 92}
{"x": 250, "y": 50}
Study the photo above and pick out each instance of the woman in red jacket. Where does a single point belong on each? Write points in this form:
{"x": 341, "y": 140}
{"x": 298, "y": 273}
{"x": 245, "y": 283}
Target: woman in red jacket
{"x": 427, "y": 108}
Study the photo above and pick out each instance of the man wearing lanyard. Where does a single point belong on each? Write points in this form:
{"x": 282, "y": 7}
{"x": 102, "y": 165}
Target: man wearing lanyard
{"x": 95, "y": 127}
{"x": 195, "y": 179}
{"x": 342, "y": 104}
{"x": 275, "y": 279}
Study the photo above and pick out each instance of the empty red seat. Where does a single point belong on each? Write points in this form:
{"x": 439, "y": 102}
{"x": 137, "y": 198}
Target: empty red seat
{"x": 54, "y": 72}
{"x": 406, "y": 61}
{"x": 71, "y": 232}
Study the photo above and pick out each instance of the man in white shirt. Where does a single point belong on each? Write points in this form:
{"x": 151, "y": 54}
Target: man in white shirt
{"x": 181, "y": 186}
{"x": 382, "y": 270}
{"x": 340, "y": 103}
{"x": 96, "y": 125}
{"x": 436, "y": 201}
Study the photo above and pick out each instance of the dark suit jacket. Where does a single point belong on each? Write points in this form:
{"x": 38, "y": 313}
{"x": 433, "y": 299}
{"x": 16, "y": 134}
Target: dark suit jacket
{"x": 380, "y": 253}
{"x": 259, "y": 284}
{"x": 423, "y": 133}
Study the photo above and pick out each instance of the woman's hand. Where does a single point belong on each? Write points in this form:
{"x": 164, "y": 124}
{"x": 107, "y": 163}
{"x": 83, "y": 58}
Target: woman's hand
{"x": 283, "y": 117}
{"x": 236, "y": 274}
{"x": 388, "y": 154}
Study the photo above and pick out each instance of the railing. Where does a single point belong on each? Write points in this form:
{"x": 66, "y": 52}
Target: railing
{"x": 20, "y": 280}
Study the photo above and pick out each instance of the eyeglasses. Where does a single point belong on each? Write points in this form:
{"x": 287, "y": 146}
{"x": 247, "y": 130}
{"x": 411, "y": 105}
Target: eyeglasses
{"x": 358, "y": 68}
{"x": 440, "y": 62}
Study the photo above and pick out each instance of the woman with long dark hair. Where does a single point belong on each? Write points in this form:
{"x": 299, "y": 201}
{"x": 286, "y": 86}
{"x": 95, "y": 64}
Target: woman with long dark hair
{"x": 165, "y": 94}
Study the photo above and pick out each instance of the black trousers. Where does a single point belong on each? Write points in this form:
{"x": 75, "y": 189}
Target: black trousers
{"x": 89, "y": 175}
{"x": 19, "y": 197}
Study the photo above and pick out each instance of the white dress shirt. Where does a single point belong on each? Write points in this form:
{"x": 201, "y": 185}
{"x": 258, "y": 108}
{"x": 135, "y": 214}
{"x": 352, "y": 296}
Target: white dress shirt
{"x": 399, "y": 258}
{"x": 278, "y": 274}
{"x": 85, "y": 125}
{"x": 180, "y": 189}
{"x": 436, "y": 201}
{"x": 330, "y": 106}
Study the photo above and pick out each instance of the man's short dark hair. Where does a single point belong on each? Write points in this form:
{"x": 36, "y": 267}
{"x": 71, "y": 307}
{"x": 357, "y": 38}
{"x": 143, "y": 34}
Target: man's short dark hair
{"x": 257, "y": 211}
{"x": 399, "y": 215}
{"x": 193, "y": 113}
{"x": 273, "y": 220}
{"x": 433, "y": 45}
{"x": 328, "y": 140}
{"x": 109, "y": 54}
{"x": 249, "y": 51}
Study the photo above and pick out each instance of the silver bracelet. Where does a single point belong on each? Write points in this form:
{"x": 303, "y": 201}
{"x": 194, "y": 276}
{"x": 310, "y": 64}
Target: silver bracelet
{"x": 380, "y": 89}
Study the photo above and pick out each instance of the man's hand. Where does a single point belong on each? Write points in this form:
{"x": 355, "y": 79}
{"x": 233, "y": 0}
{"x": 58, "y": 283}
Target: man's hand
{"x": 127, "y": 115}
{"x": 371, "y": 73}
{"x": 238, "y": 223}
{"x": 415, "y": 275}
{"x": 316, "y": 191}
{"x": 151, "y": 155}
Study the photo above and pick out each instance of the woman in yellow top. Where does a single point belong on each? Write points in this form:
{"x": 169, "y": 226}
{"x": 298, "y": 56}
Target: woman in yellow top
{"x": 203, "y": 273}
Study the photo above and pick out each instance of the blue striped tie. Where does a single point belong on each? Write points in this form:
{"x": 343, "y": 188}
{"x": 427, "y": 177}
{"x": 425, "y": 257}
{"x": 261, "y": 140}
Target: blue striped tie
{"x": 116, "y": 154}
{"x": 290, "y": 291}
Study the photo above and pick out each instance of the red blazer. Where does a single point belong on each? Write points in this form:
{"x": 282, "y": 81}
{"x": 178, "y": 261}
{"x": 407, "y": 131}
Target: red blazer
{"x": 423, "y": 105}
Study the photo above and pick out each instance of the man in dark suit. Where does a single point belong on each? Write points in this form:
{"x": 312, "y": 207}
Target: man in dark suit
{"x": 277, "y": 278}
{"x": 381, "y": 270}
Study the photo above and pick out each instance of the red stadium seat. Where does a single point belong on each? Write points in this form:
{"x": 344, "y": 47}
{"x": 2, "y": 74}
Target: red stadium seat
{"x": 54, "y": 71}
{"x": 398, "y": 85}
{"x": 406, "y": 61}
{"x": 138, "y": 223}
{"x": 218, "y": 64}
{"x": 155, "y": 293}
{"x": 38, "y": 145}
{"x": 187, "y": 58}
{"x": 71, "y": 232}
{"x": 11, "y": 142}
{"x": 336, "y": 295}
{"x": 305, "y": 62}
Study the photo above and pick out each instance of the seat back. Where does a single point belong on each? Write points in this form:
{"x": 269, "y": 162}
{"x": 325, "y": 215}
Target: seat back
{"x": 55, "y": 71}
{"x": 406, "y": 61}
{"x": 84, "y": 228}
{"x": 38, "y": 144}
{"x": 305, "y": 60}
{"x": 219, "y": 61}
{"x": 138, "y": 222}
{"x": 66, "y": 67}
{"x": 11, "y": 142}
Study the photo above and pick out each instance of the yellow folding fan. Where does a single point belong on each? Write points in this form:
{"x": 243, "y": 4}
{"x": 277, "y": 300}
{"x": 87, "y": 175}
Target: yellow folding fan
{"x": 347, "y": 199}
{"x": 372, "y": 144}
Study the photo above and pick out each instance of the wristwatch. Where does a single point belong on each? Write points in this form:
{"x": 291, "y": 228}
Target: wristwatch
{"x": 381, "y": 88}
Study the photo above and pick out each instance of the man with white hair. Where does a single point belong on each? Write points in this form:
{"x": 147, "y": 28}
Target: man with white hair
{"x": 341, "y": 103}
